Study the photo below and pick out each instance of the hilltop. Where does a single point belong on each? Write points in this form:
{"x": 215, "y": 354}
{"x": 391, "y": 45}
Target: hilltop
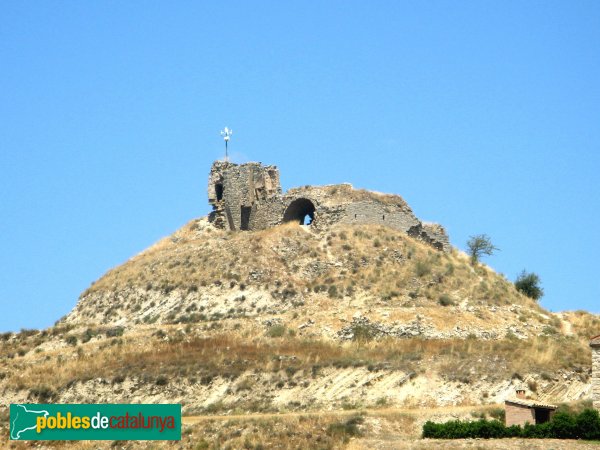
{"x": 349, "y": 275}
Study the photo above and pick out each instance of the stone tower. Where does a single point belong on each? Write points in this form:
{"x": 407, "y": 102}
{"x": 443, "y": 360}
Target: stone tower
{"x": 595, "y": 344}
{"x": 237, "y": 191}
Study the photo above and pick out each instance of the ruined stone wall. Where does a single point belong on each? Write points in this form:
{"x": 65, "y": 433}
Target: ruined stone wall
{"x": 343, "y": 204}
{"x": 376, "y": 213}
{"x": 267, "y": 214}
{"x": 596, "y": 375}
{"x": 243, "y": 188}
{"x": 437, "y": 236}
{"x": 248, "y": 197}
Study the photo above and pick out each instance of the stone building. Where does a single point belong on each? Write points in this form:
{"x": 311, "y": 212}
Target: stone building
{"x": 519, "y": 410}
{"x": 595, "y": 344}
{"x": 249, "y": 197}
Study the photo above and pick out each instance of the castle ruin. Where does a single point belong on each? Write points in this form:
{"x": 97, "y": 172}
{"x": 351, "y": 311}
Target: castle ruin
{"x": 595, "y": 344}
{"x": 249, "y": 197}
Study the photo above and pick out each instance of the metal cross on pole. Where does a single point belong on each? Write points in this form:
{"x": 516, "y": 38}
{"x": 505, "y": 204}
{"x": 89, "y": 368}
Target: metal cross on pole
{"x": 226, "y": 133}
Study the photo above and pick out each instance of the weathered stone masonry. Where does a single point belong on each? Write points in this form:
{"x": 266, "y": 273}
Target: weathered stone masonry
{"x": 595, "y": 344}
{"x": 248, "y": 197}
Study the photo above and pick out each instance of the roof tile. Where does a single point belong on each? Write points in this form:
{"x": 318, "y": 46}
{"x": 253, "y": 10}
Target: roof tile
{"x": 530, "y": 403}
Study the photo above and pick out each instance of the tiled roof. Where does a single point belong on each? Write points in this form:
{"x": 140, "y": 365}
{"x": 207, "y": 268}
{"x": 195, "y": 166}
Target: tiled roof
{"x": 530, "y": 403}
{"x": 595, "y": 341}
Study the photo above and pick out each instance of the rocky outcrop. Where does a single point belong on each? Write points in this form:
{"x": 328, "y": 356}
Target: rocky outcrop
{"x": 362, "y": 328}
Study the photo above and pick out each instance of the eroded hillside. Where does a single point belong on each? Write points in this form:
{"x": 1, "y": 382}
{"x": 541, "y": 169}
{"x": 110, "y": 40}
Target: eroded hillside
{"x": 366, "y": 278}
{"x": 289, "y": 319}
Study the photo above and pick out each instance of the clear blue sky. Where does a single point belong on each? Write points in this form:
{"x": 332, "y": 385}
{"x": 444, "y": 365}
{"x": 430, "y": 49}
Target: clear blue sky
{"x": 484, "y": 116}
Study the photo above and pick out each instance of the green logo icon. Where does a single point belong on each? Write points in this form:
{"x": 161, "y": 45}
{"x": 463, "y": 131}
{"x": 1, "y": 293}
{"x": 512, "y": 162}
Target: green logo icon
{"x": 95, "y": 422}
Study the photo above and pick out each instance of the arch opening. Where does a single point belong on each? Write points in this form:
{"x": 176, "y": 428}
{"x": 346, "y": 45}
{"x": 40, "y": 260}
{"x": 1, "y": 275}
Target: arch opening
{"x": 301, "y": 211}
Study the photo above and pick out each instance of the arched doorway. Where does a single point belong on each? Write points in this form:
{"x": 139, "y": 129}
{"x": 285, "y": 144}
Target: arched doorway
{"x": 301, "y": 211}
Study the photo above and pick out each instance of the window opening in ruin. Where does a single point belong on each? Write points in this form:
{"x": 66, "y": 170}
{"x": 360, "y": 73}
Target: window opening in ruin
{"x": 301, "y": 211}
{"x": 245, "y": 217}
{"x": 219, "y": 191}
{"x": 383, "y": 217}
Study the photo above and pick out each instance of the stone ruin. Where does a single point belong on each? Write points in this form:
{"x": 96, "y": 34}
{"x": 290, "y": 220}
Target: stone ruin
{"x": 249, "y": 197}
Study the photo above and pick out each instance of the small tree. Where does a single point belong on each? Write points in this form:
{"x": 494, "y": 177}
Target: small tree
{"x": 529, "y": 284}
{"x": 480, "y": 245}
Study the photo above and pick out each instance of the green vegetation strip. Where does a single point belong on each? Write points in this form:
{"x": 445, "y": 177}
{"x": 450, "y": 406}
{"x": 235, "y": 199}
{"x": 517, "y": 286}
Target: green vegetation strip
{"x": 564, "y": 425}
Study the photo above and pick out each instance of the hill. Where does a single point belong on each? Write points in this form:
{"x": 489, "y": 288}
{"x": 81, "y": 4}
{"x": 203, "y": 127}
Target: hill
{"x": 293, "y": 319}
{"x": 323, "y": 284}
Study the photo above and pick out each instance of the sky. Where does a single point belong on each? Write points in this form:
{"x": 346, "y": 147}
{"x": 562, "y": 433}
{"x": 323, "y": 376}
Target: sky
{"x": 484, "y": 116}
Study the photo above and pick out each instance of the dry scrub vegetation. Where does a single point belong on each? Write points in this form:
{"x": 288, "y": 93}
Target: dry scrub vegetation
{"x": 315, "y": 281}
{"x": 161, "y": 357}
{"x": 584, "y": 325}
{"x": 374, "y": 258}
{"x": 290, "y": 265}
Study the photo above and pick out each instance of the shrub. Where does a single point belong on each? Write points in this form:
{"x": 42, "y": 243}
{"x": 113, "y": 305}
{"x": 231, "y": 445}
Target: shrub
{"x": 422, "y": 268}
{"x": 71, "y": 340}
{"x": 161, "y": 380}
{"x": 498, "y": 414}
{"x": 115, "y": 332}
{"x": 202, "y": 445}
{"x": 529, "y": 284}
{"x": 291, "y": 370}
{"x": 43, "y": 393}
{"x": 288, "y": 292}
{"x": 564, "y": 426}
{"x": 362, "y": 333}
{"x": 160, "y": 334}
{"x": 585, "y": 425}
{"x": 346, "y": 429}
{"x": 445, "y": 300}
{"x": 6, "y": 336}
{"x": 88, "y": 335}
{"x": 382, "y": 401}
{"x": 588, "y": 424}
{"x": 276, "y": 331}
{"x": 26, "y": 332}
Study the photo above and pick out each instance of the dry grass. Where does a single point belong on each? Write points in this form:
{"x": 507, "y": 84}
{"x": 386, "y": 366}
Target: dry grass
{"x": 380, "y": 264}
{"x": 584, "y": 324}
{"x": 229, "y": 356}
{"x": 314, "y": 432}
